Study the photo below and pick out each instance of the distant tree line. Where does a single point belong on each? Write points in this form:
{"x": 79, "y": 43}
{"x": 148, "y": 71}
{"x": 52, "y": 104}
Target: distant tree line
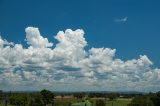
{"x": 151, "y": 99}
{"x": 45, "y": 97}
{"x": 41, "y": 98}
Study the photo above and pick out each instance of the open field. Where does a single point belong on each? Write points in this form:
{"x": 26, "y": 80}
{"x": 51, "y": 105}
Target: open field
{"x": 118, "y": 102}
{"x": 66, "y": 102}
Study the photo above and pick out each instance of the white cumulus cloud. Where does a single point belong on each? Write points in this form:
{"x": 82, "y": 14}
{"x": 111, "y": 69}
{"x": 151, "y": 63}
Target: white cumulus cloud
{"x": 34, "y": 38}
{"x": 68, "y": 66}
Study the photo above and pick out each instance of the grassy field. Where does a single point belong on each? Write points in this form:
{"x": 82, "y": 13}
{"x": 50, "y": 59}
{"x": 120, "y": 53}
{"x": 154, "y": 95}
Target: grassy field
{"x": 118, "y": 102}
{"x": 66, "y": 102}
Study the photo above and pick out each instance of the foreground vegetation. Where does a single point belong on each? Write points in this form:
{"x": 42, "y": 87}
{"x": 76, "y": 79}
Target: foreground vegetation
{"x": 48, "y": 98}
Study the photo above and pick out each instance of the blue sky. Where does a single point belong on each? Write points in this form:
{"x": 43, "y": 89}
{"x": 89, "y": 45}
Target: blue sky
{"x": 139, "y": 35}
{"x": 130, "y": 27}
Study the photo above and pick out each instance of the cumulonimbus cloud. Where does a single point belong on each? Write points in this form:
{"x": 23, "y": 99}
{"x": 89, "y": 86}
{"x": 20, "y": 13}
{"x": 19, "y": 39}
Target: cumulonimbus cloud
{"x": 68, "y": 66}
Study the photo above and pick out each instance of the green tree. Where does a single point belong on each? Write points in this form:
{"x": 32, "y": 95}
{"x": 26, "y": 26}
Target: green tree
{"x": 47, "y": 97}
{"x": 100, "y": 102}
{"x": 112, "y": 96}
{"x": 19, "y": 99}
{"x": 1, "y": 95}
{"x": 36, "y": 100}
{"x": 156, "y": 99}
{"x": 141, "y": 101}
{"x": 79, "y": 95}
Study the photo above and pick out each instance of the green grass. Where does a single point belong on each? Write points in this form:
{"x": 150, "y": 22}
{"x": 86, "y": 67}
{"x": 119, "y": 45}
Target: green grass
{"x": 75, "y": 102}
{"x": 118, "y": 103}
{"x": 87, "y": 102}
{"x": 78, "y": 102}
{"x": 64, "y": 102}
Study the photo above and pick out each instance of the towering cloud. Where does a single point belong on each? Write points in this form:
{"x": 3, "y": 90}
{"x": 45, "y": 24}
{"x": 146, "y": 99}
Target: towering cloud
{"x": 68, "y": 66}
{"x": 34, "y": 38}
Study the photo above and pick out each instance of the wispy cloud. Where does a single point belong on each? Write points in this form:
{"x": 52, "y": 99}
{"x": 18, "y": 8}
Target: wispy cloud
{"x": 121, "y": 19}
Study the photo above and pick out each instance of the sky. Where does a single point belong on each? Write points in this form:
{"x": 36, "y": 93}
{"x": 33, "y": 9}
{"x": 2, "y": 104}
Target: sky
{"x": 80, "y": 45}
